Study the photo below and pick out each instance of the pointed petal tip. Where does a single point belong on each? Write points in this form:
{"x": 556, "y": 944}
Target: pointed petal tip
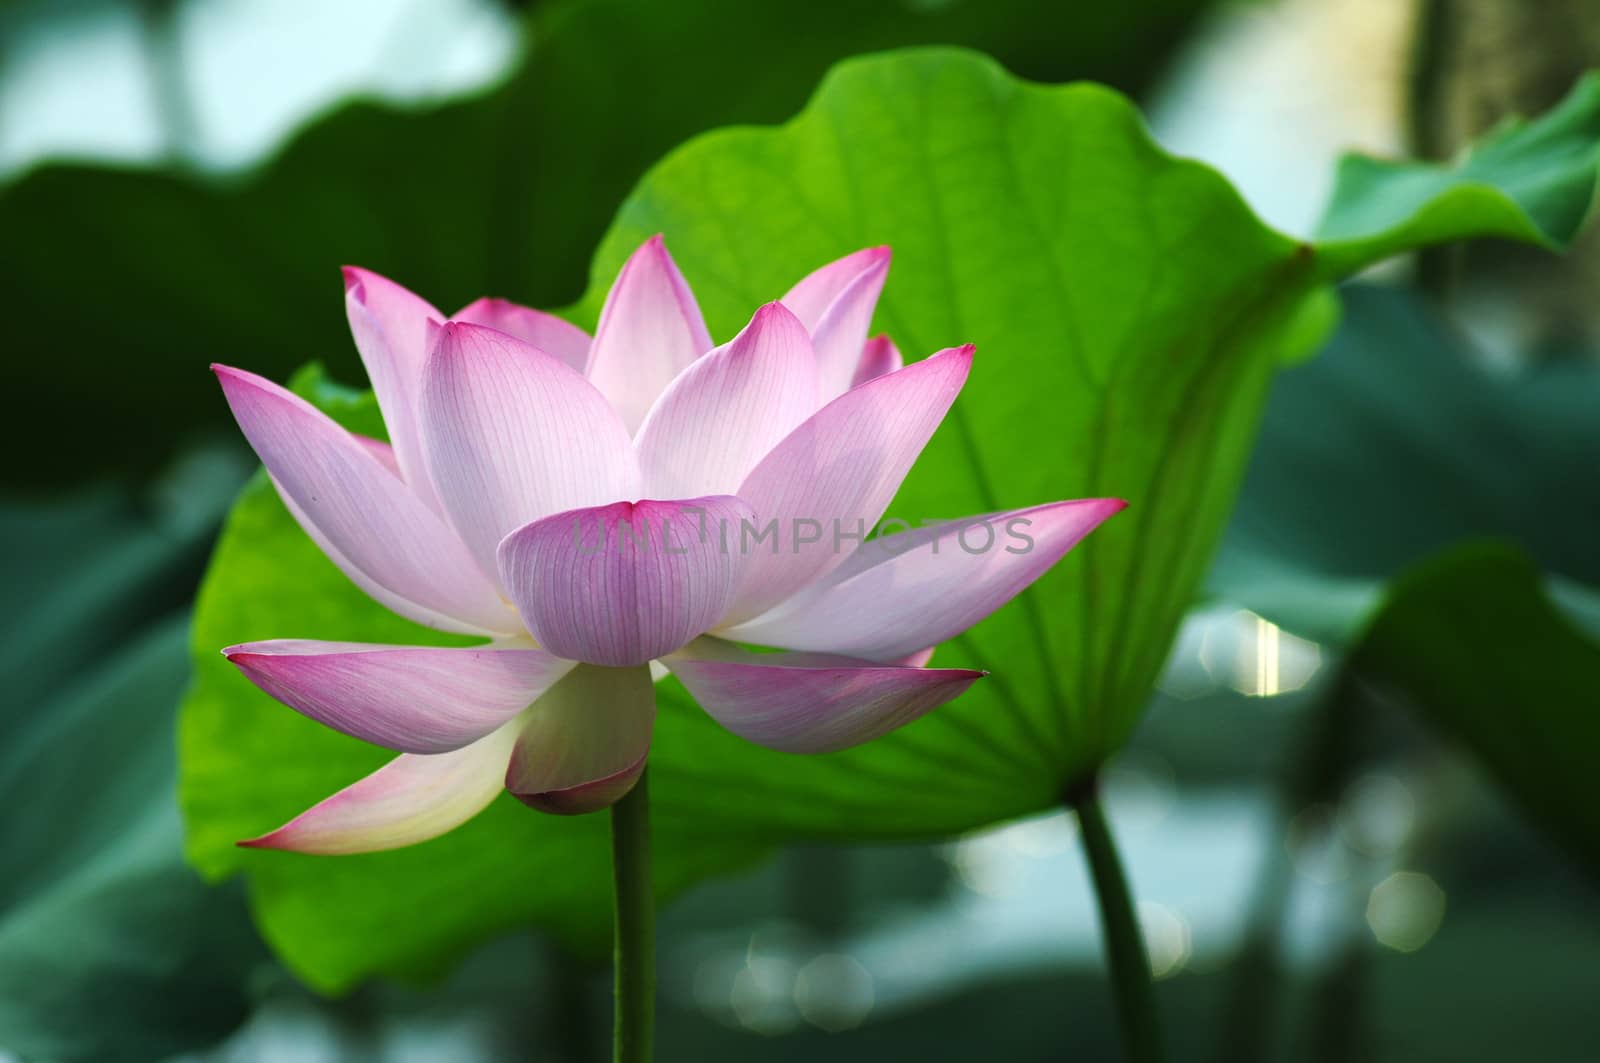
{"x": 963, "y": 354}
{"x": 1101, "y": 509}
{"x": 1105, "y": 508}
{"x": 269, "y": 840}
{"x": 655, "y": 246}
{"x": 232, "y": 378}
{"x": 865, "y": 260}
{"x": 450, "y": 336}
{"x": 775, "y": 313}
{"x": 458, "y": 331}
{"x": 280, "y": 840}
{"x": 356, "y": 281}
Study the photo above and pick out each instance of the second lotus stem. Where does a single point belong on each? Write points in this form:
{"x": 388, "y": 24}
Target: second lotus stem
{"x": 1129, "y": 963}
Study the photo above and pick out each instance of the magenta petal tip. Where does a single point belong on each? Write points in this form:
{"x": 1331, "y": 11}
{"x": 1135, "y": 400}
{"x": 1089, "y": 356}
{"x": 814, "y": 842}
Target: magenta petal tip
{"x": 464, "y": 330}
{"x": 355, "y": 282}
{"x": 268, "y": 840}
{"x": 775, "y": 315}
{"x": 876, "y": 259}
{"x": 772, "y": 309}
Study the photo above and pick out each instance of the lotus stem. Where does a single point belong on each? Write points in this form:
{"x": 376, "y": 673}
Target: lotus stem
{"x": 635, "y": 941}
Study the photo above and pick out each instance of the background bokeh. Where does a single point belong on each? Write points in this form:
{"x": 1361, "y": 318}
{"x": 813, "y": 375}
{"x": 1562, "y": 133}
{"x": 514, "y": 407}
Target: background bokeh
{"x": 1323, "y": 870}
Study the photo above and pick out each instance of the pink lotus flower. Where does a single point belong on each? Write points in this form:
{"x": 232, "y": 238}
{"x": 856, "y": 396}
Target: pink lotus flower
{"x": 588, "y": 506}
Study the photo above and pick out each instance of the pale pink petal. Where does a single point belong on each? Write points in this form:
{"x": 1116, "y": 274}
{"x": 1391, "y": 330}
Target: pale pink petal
{"x": 622, "y": 584}
{"x": 920, "y": 659}
{"x": 826, "y": 484}
{"x": 506, "y": 618}
{"x": 412, "y": 699}
{"x": 380, "y": 450}
{"x": 878, "y": 357}
{"x": 513, "y": 435}
{"x": 369, "y": 521}
{"x": 408, "y": 800}
{"x": 818, "y": 290}
{"x": 901, "y": 593}
{"x": 650, "y": 330}
{"x": 727, "y": 410}
{"x": 549, "y": 333}
{"x": 803, "y": 703}
{"x": 841, "y": 334}
{"x": 390, "y": 326}
{"x": 584, "y": 743}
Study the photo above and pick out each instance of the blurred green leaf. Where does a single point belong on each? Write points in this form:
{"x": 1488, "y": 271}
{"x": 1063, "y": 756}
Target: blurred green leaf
{"x": 1395, "y": 443}
{"x": 1531, "y": 181}
{"x": 1473, "y": 641}
{"x": 1129, "y": 312}
{"x": 124, "y": 284}
{"x": 111, "y": 947}
{"x": 1376, "y": 461}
